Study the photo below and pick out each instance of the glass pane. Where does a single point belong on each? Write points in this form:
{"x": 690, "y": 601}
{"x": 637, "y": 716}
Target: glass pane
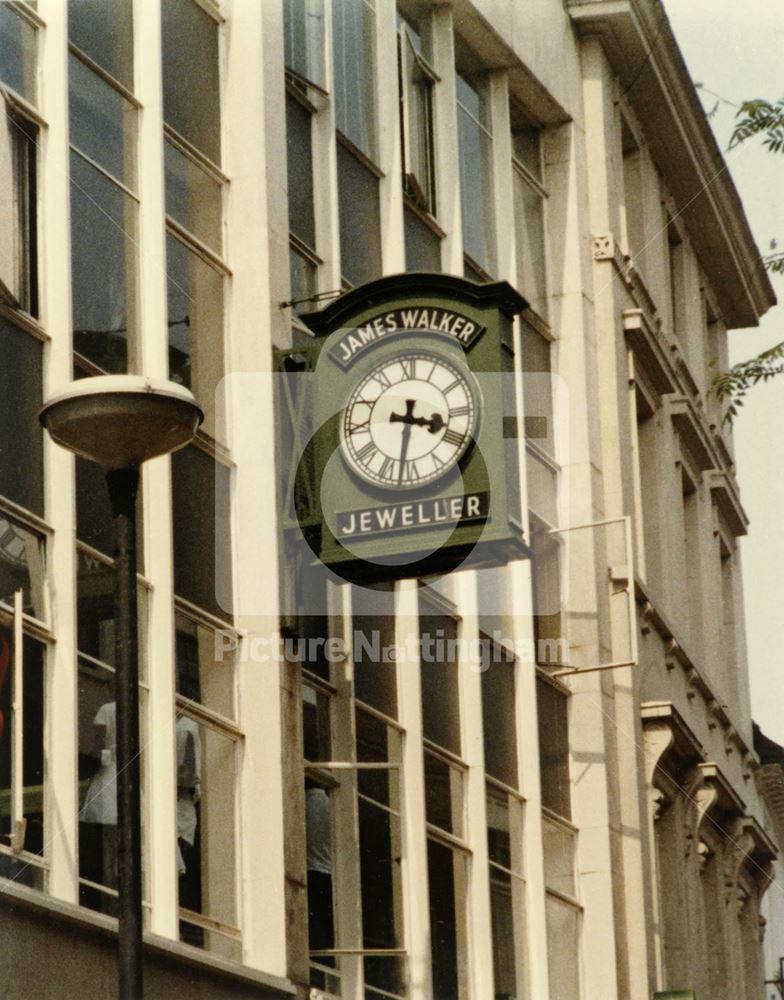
{"x": 206, "y": 837}
{"x": 190, "y": 52}
{"x": 529, "y": 234}
{"x": 95, "y": 609}
{"x": 418, "y": 143}
{"x": 195, "y": 309}
{"x": 304, "y": 280}
{"x": 499, "y": 838}
{"x": 300, "y": 171}
{"x": 21, "y": 567}
{"x": 552, "y": 709}
{"x": 205, "y": 665}
{"x": 21, "y": 436}
{"x": 558, "y": 856}
{"x": 103, "y": 30}
{"x": 423, "y": 246}
{"x": 379, "y": 860}
{"x": 94, "y": 524}
{"x": 303, "y": 24}
{"x": 97, "y": 787}
{"x": 103, "y": 267}
{"x": 319, "y": 838}
{"x": 498, "y": 714}
{"x": 440, "y": 703}
{"x": 353, "y": 47}
{"x": 193, "y": 197}
{"x": 358, "y": 208}
{"x": 199, "y": 483}
{"x": 102, "y": 122}
{"x": 503, "y": 927}
{"x": 526, "y": 142}
{"x": 563, "y": 950}
{"x": 316, "y": 724}
{"x": 542, "y": 481}
{"x": 447, "y": 887}
{"x": 443, "y": 795}
{"x": 18, "y": 45}
{"x": 475, "y": 151}
{"x": 373, "y": 637}
{"x": 32, "y": 754}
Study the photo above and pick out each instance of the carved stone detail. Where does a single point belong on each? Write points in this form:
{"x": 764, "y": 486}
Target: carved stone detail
{"x": 603, "y": 247}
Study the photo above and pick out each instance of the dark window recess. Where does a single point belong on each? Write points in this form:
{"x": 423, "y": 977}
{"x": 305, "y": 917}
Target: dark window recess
{"x": 373, "y": 635}
{"x": 498, "y": 714}
{"x": 552, "y": 708}
{"x": 358, "y": 207}
{"x": 94, "y": 512}
{"x": 190, "y": 53}
{"x": 300, "y": 171}
{"x": 443, "y": 920}
{"x": 202, "y": 532}
{"x": 103, "y": 30}
{"x": 440, "y": 704}
{"x": 21, "y": 444}
{"x": 423, "y": 245}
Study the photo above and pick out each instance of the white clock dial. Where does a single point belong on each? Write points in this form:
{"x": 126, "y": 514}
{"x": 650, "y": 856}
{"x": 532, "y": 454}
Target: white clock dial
{"x": 409, "y": 421}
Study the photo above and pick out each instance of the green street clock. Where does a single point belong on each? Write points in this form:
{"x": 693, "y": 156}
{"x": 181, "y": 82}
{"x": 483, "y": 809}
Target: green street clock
{"x": 408, "y": 459}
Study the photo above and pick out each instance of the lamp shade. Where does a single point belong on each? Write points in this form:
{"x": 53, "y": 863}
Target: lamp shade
{"x": 121, "y": 421}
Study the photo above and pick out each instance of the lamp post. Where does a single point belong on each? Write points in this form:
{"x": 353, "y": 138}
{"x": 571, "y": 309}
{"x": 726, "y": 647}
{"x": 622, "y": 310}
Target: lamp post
{"x": 121, "y": 421}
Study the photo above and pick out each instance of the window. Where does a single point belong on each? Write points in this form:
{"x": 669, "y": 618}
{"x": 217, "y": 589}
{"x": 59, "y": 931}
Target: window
{"x": 358, "y": 208}
{"x": 353, "y": 48}
{"x": 18, "y": 228}
{"x": 21, "y": 437}
{"x": 507, "y": 892}
{"x": 18, "y": 51}
{"x": 207, "y": 746}
{"x": 194, "y": 201}
{"x": 675, "y": 258}
{"x": 475, "y": 146}
{"x": 552, "y": 706}
{"x": 529, "y": 210}
{"x": 303, "y": 25}
{"x": 302, "y": 214}
{"x": 104, "y": 205}
{"x": 632, "y": 230}
{"x": 498, "y": 713}
{"x": 101, "y": 29}
{"x": 202, "y": 532}
{"x": 22, "y": 832}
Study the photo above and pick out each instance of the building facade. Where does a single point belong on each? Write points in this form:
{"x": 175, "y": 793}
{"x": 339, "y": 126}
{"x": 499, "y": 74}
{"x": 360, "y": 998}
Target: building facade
{"x": 550, "y": 794}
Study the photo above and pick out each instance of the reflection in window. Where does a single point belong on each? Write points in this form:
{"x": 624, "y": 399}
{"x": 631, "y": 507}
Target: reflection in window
{"x": 190, "y": 52}
{"x": 205, "y": 667}
{"x": 303, "y": 25}
{"x": 18, "y": 45}
{"x": 373, "y": 636}
{"x": 193, "y": 196}
{"x": 21, "y": 436}
{"x": 94, "y": 525}
{"x": 21, "y": 567}
{"x": 353, "y": 47}
{"x": 507, "y": 893}
{"x": 206, "y": 835}
{"x": 103, "y": 30}
{"x": 22, "y": 837}
{"x": 302, "y": 219}
{"x": 95, "y": 610}
{"x": 103, "y": 266}
{"x": 563, "y": 949}
{"x": 102, "y": 122}
{"x": 440, "y": 700}
{"x": 423, "y": 244}
{"x": 18, "y": 207}
{"x": 498, "y": 713}
{"x": 97, "y": 787}
{"x": 476, "y": 191}
{"x": 195, "y": 310}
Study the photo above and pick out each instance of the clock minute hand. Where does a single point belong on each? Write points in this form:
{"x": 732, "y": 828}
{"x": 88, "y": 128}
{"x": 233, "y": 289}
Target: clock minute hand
{"x": 433, "y": 423}
{"x": 409, "y": 420}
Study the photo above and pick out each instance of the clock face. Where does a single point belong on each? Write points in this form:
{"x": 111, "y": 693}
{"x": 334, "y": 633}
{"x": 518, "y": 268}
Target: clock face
{"x": 409, "y": 421}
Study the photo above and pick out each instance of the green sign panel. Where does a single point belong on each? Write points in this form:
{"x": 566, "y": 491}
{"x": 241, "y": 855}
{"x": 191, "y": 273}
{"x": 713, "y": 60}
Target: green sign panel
{"x": 406, "y": 393}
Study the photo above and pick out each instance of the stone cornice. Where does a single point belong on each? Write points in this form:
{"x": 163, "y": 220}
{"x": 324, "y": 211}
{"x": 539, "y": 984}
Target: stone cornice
{"x": 642, "y": 50}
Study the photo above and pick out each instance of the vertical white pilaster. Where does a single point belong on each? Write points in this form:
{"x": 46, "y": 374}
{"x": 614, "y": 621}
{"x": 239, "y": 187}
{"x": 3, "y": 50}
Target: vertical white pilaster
{"x": 390, "y": 154}
{"x": 447, "y": 160}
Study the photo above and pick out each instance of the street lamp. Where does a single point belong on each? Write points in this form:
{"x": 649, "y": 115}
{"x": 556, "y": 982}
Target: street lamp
{"x": 120, "y": 421}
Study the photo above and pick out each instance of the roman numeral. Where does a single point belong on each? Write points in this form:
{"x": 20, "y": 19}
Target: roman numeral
{"x": 460, "y": 411}
{"x": 382, "y": 378}
{"x": 437, "y": 462}
{"x": 453, "y": 438}
{"x": 453, "y": 385}
{"x": 386, "y": 468}
{"x": 409, "y": 368}
{"x": 409, "y": 472}
{"x": 353, "y": 428}
{"x": 364, "y": 453}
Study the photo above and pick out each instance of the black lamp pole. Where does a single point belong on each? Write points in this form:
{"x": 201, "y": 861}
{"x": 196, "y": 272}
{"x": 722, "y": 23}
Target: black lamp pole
{"x": 123, "y": 487}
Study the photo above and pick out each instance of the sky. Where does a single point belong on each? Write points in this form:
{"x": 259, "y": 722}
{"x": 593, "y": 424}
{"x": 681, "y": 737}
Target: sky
{"x": 735, "y": 51}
